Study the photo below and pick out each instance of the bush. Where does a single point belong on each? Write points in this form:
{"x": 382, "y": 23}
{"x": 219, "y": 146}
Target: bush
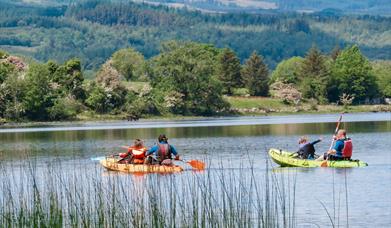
{"x": 286, "y": 92}
{"x": 64, "y": 109}
{"x": 243, "y": 92}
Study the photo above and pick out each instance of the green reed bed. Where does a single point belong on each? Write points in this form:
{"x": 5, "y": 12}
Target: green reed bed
{"x": 53, "y": 195}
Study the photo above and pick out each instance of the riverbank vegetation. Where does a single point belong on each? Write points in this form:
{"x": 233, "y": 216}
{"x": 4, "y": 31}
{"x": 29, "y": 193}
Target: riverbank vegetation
{"x": 190, "y": 79}
{"x": 295, "y": 68}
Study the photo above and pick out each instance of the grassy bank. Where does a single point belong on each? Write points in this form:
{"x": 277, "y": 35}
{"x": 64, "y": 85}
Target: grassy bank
{"x": 240, "y": 106}
{"x": 266, "y": 105}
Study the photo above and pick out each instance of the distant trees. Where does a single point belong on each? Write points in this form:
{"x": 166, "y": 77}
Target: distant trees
{"x": 93, "y": 30}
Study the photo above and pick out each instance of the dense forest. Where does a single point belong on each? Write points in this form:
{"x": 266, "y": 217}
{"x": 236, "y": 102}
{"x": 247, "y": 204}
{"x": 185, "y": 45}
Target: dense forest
{"x": 93, "y": 30}
{"x": 185, "y": 78}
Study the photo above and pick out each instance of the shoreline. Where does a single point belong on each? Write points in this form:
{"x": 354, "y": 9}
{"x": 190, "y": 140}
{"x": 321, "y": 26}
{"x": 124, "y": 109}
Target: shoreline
{"x": 196, "y": 121}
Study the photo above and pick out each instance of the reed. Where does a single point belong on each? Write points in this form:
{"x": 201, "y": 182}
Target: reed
{"x": 52, "y": 196}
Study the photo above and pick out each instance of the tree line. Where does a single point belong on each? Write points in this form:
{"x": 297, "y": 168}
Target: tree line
{"x": 93, "y": 30}
{"x": 185, "y": 78}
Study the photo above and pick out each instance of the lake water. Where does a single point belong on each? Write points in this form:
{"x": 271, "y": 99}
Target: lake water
{"x": 357, "y": 197}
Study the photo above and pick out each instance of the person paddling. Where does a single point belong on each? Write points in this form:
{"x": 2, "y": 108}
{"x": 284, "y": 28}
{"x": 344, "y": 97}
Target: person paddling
{"x": 162, "y": 152}
{"x": 307, "y": 149}
{"x": 342, "y": 149}
{"x": 135, "y": 154}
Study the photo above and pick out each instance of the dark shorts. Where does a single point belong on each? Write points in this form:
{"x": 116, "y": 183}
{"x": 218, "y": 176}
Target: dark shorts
{"x": 332, "y": 157}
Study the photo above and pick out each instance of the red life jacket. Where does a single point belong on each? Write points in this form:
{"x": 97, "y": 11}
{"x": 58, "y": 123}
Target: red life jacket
{"x": 164, "y": 152}
{"x": 347, "y": 149}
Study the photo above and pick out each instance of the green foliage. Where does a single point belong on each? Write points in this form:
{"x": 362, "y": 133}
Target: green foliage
{"x": 64, "y": 108}
{"x": 39, "y": 95}
{"x": 105, "y": 100}
{"x": 69, "y": 77}
{"x": 5, "y": 70}
{"x": 382, "y": 72}
{"x": 314, "y": 75}
{"x": 352, "y": 75}
{"x": 287, "y": 71}
{"x": 3, "y": 54}
{"x": 241, "y": 92}
{"x": 98, "y": 100}
{"x": 255, "y": 75}
{"x": 129, "y": 63}
{"x": 93, "y": 31}
{"x": 229, "y": 71}
{"x": 12, "y": 94}
{"x": 188, "y": 69}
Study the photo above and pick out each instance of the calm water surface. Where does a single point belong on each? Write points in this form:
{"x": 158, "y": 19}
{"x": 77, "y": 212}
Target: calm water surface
{"x": 234, "y": 145}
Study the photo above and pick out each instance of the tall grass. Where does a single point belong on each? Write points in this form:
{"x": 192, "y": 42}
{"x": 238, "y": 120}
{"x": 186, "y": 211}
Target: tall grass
{"x": 55, "y": 196}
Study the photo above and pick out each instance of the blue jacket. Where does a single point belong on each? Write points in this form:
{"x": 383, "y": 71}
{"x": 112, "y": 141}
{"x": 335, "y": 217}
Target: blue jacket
{"x": 153, "y": 150}
{"x": 339, "y": 145}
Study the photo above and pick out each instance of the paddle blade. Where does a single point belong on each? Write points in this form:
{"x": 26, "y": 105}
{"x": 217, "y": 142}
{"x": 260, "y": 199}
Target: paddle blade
{"x": 196, "y": 164}
{"x": 323, "y": 164}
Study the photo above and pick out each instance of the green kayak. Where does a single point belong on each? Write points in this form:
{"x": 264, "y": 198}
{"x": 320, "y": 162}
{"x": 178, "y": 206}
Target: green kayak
{"x": 284, "y": 158}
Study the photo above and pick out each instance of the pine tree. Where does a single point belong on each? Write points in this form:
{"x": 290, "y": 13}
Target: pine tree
{"x": 229, "y": 71}
{"x": 255, "y": 75}
{"x": 314, "y": 75}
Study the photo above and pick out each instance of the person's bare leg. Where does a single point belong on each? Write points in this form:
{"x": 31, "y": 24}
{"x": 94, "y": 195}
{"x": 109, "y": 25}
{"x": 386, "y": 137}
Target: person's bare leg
{"x": 320, "y": 158}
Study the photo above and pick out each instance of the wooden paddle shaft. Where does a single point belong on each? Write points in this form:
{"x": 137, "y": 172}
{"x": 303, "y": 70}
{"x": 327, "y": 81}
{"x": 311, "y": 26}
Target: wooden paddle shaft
{"x": 336, "y": 131}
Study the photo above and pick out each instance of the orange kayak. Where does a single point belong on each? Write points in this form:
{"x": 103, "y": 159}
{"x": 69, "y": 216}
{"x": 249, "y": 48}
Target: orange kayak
{"x": 112, "y": 164}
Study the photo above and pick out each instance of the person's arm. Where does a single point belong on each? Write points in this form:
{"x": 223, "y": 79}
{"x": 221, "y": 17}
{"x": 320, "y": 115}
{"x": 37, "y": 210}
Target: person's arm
{"x": 174, "y": 152}
{"x": 151, "y": 150}
{"x": 316, "y": 141}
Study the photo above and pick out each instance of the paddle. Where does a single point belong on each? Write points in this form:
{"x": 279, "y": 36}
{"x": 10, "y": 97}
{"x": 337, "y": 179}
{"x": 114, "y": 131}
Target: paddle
{"x": 324, "y": 163}
{"x": 196, "y": 164}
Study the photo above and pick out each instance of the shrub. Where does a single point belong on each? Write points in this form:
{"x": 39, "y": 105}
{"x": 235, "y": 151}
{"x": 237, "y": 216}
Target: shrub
{"x": 286, "y": 92}
{"x": 64, "y": 109}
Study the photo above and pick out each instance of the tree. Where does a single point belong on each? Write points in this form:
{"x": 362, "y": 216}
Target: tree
{"x": 229, "y": 71}
{"x": 314, "y": 75}
{"x": 382, "y": 72}
{"x": 288, "y": 71}
{"x": 39, "y": 95}
{"x": 352, "y": 75}
{"x": 69, "y": 77}
{"x": 129, "y": 63}
{"x": 187, "y": 73}
{"x": 255, "y": 75}
{"x": 12, "y": 93}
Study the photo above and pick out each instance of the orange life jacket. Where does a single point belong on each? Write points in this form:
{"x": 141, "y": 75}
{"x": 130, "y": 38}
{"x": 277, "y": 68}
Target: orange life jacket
{"x": 137, "y": 152}
{"x": 347, "y": 149}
